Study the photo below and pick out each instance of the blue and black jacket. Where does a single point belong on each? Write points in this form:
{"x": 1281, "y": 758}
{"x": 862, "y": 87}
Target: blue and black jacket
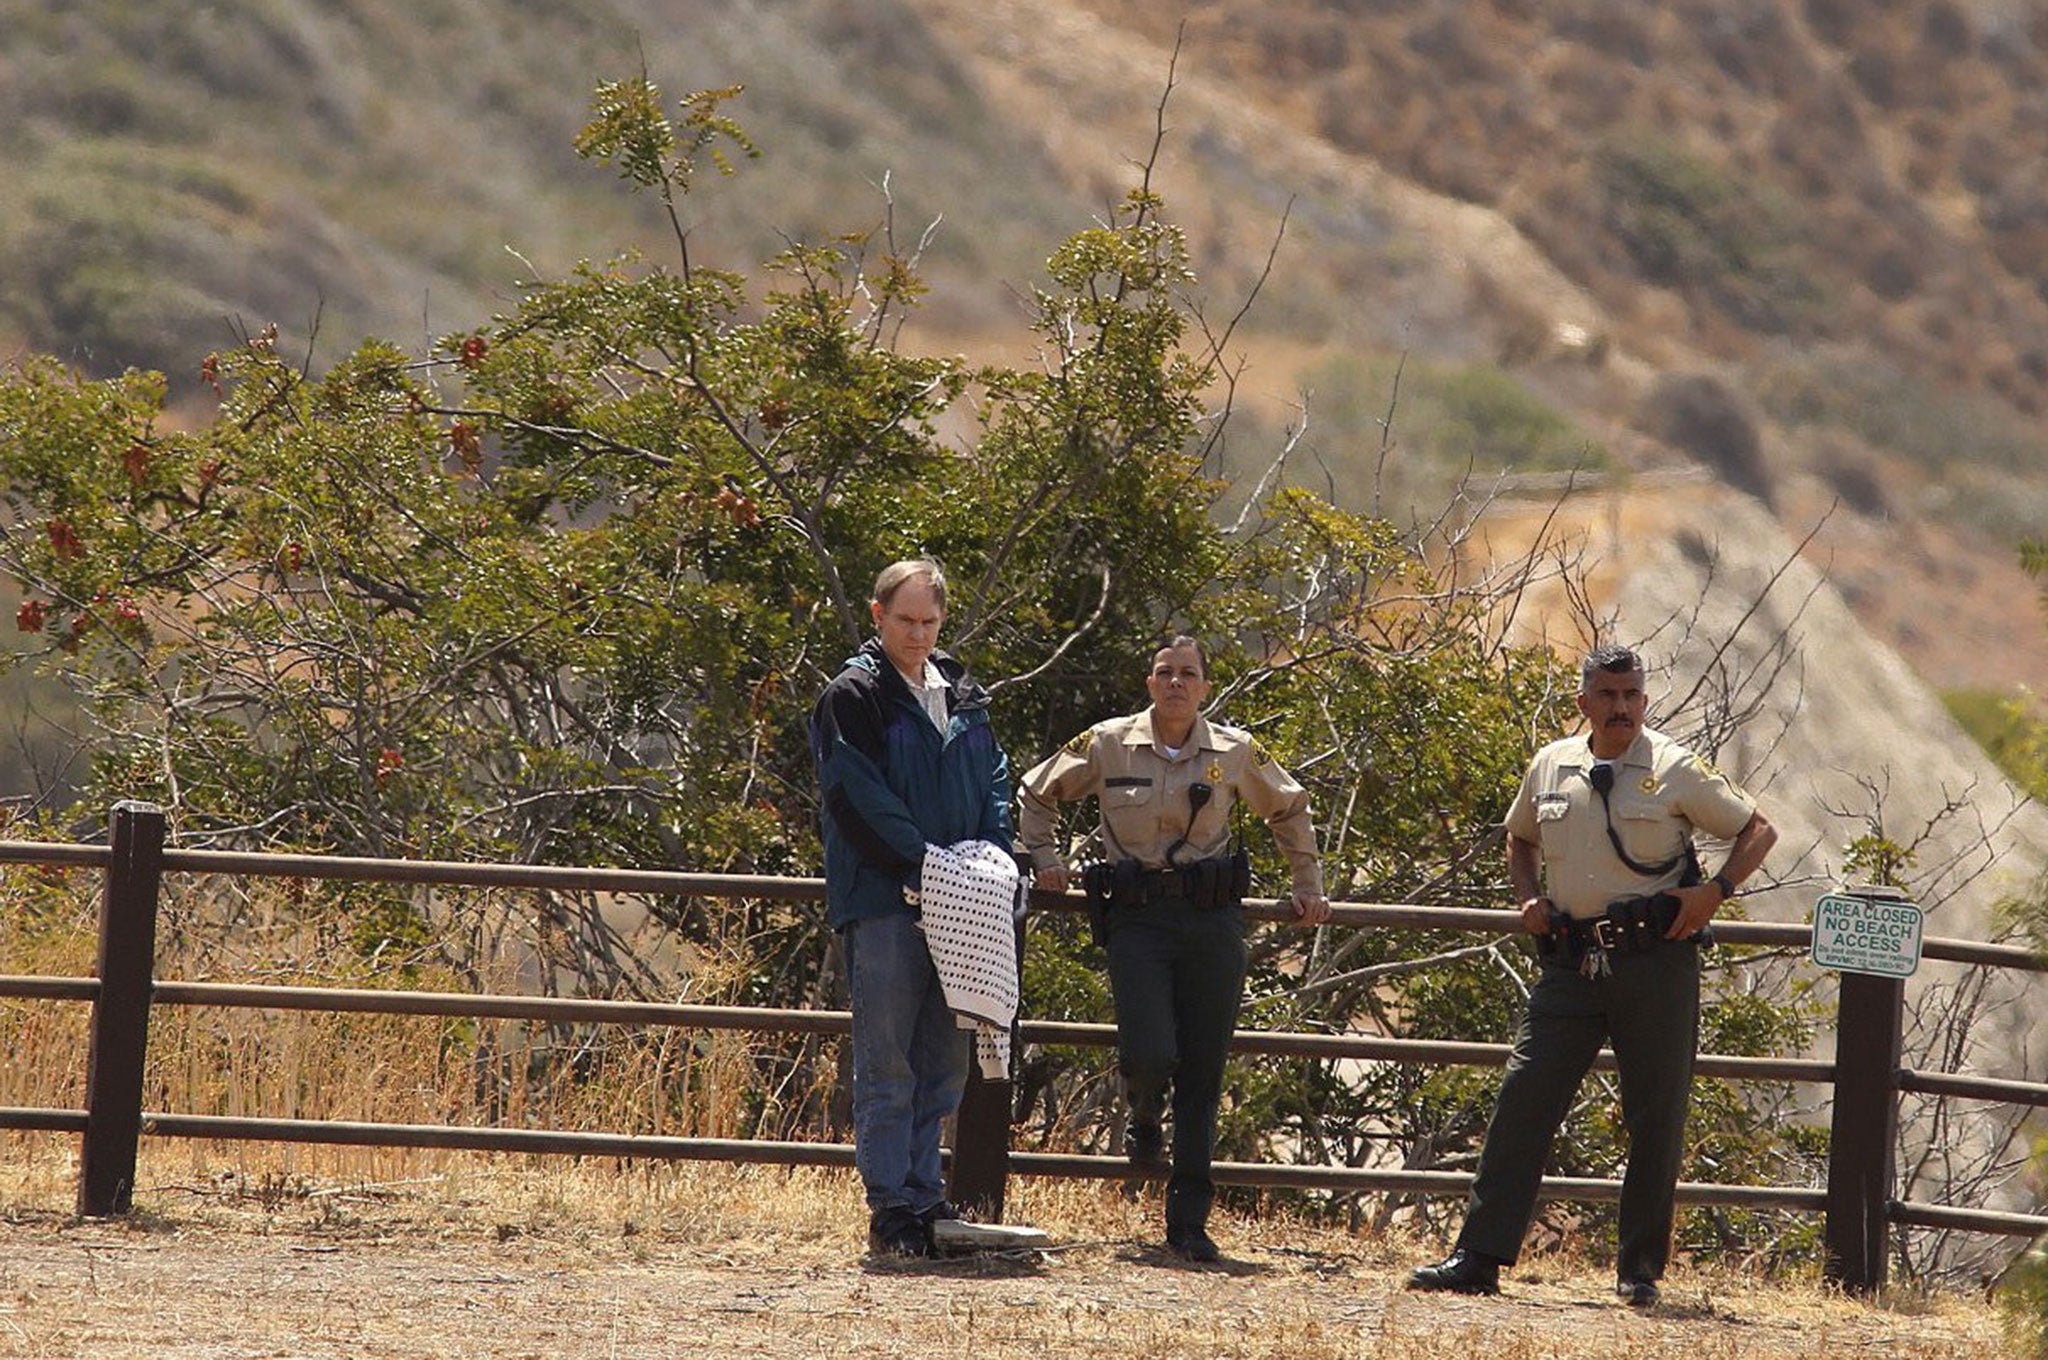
{"x": 892, "y": 783}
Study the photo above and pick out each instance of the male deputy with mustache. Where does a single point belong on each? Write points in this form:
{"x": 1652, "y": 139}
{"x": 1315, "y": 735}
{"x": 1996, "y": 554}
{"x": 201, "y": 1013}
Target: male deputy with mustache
{"x": 1600, "y": 855}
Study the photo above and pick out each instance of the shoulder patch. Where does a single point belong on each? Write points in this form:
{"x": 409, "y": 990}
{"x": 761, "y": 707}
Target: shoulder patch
{"x": 1704, "y": 766}
{"x": 1082, "y": 740}
{"x": 1260, "y": 755}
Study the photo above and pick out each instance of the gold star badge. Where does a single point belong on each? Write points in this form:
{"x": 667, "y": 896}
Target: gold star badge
{"x": 1649, "y": 784}
{"x": 1215, "y": 773}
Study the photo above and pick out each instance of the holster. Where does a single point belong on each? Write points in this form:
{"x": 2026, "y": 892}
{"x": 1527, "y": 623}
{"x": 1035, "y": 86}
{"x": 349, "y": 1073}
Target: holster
{"x": 1098, "y": 883}
{"x": 1694, "y": 875}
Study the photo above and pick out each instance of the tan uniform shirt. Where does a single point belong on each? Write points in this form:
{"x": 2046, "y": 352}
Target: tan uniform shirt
{"x": 1143, "y": 794}
{"x": 1662, "y": 791}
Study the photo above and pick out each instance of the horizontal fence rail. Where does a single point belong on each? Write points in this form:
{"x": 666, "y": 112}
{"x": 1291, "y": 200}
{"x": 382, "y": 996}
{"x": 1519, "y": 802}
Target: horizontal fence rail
{"x": 1867, "y": 1080}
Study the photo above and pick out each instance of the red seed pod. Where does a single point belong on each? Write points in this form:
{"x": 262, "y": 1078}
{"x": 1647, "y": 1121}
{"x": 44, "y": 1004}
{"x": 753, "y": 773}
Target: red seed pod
{"x": 64, "y": 540}
{"x": 468, "y": 445}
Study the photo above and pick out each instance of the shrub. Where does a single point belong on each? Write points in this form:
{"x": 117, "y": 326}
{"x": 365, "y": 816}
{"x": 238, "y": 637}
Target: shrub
{"x": 1945, "y": 32}
{"x": 2010, "y": 728}
{"x": 1703, "y": 417}
{"x": 1897, "y": 413}
{"x": 1833, "y": 21}
{"x": 1853, "y": 474}
{"x": 1695, "y": 226}
{"x": 1619, "y": 28}
{"x": 1453, "y": 418}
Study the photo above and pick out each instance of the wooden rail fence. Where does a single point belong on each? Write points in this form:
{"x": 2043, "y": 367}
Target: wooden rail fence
{"x": 1858, "y": 1202}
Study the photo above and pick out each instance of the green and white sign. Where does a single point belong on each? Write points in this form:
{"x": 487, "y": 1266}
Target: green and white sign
{"x": 1867, "y": 931}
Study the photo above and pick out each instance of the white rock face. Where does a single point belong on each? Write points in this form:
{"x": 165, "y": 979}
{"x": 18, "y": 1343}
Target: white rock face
{"x": 1844, "y": 738}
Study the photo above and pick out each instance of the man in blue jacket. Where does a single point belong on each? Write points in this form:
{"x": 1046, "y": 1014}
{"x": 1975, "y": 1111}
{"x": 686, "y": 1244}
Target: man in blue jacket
{"x": 906, "y": 758}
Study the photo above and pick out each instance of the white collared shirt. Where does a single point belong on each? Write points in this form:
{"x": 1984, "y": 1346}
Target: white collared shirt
{"x": 931, "y": 693}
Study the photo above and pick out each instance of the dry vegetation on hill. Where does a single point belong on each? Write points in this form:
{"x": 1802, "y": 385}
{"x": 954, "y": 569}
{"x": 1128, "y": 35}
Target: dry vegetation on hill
{"x": 1759, "y": 240}
{"x": 1830, "y": 210}
{"x": 1796, "y": 169}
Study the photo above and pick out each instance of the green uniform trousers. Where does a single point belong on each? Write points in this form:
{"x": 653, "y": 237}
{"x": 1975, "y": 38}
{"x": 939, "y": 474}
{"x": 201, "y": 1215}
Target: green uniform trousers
{"x": 1649, "y": 1011}
{"x": 1176, "y": 972}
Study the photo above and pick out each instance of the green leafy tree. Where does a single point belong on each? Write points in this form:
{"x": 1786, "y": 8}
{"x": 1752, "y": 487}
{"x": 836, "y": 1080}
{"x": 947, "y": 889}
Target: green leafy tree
{"x": 563, "y": 591}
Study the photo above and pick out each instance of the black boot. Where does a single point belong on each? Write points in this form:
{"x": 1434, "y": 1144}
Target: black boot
{"x": 1462, "y": 1272}
{"x": 1192, "y": 1243}
{"x": 896, "y": 1231}
{"x": 1637, "y": 1293}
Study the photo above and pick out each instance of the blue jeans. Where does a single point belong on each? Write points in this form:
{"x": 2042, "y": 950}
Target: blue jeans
{"x": 909, "y": 1062}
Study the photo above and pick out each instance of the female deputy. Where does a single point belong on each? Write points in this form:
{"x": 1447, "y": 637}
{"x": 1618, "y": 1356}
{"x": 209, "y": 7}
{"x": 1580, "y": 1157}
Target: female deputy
{"x": 1171, "y": 897}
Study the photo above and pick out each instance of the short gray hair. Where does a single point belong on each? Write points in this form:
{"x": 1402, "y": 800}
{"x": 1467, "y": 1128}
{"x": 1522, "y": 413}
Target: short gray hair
{"x": 896, "y": 573}
{"x": 1612, "y": 658}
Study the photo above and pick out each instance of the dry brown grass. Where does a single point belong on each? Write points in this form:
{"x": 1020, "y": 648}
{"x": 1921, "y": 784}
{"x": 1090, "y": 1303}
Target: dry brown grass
{"x": 281, "y": 1250}
{"x": 394, "y": 1068}
{"x": 265, "y": 1251}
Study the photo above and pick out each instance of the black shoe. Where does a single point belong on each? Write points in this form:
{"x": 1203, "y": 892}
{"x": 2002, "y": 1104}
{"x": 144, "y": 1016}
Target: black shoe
{"x": 1191, "y": 1243}
{"x": 1637, "y": 1293}
{"x": 1145, "y": 1146}
{"x": 1462, "y": 1272}
{"x": 898, "y": 1232}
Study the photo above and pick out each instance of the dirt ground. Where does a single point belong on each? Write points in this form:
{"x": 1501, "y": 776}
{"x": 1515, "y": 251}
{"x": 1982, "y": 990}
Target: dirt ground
{"x": 223, "y": 1270}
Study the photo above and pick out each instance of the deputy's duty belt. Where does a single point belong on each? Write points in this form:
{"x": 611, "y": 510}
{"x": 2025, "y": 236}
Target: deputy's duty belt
{"x": 1205, "y": 884}
{"x": 1630, "y": 925}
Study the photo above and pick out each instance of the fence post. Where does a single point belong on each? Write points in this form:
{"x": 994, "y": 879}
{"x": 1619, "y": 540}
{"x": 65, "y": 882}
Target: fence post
{"x": 1862, "y": 1150}
{"x": 981, "y": 1147}
{"x": 120, "y": 1014}
{"x": 979, "y": 1176}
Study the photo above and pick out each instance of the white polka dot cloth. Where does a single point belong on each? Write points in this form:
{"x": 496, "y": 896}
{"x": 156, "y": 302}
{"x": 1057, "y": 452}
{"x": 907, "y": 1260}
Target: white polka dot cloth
{"x": 970, "y": 894}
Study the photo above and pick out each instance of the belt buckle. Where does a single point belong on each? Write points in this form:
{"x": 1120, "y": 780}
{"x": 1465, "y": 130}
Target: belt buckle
{"x": 1602, "y": 931}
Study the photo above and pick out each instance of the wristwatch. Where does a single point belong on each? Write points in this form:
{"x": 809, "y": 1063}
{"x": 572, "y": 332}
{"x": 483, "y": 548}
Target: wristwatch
{"x": 1722, "y": 882}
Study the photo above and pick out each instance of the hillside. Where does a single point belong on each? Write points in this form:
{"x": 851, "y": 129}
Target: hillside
{"x": 1762, "y": 281}
{"x": 373, "y": 167}
{"x": 1790, "y": 243}
{"x": 1930, "y": 462}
